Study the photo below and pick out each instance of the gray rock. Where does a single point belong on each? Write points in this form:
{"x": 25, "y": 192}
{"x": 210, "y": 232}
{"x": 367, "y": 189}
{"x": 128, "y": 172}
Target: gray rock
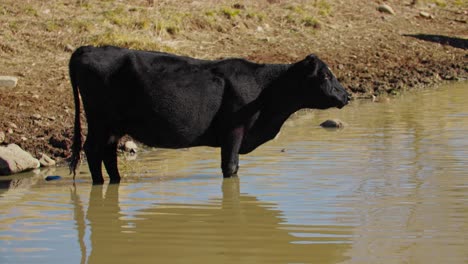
{"x": 12, "y": 125}
{"x": 8, "y": 81}
{"x": 13, "y": 160}
{"x": 46, "y": 161}
{"x": 386, "y": 9}
{"x": 426, "y": 15}
{"x": 36, "y": 117}
{"x": 69, "y": 48}
{"x": 2, "y": 137}
{"x": 130, "y": 146}
{"x": 333, "y": 123}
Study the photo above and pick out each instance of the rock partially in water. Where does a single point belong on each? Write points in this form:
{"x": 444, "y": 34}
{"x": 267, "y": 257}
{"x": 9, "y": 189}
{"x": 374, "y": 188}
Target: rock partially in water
{"x": 46, "y": 161}
{"x": 386, "y": 9}
{"x": 130, "y": 146}
{"x": 333, "y": 123}
{"x": 14, "y": 160}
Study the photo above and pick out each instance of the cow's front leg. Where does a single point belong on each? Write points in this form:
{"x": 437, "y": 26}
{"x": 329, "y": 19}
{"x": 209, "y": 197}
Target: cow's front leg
{"x": 230, "y": 152}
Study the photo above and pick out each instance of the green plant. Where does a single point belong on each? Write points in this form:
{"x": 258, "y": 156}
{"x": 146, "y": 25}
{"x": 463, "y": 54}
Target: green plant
{"x": 230, "y": 12}
{"x": 310, "y": 22}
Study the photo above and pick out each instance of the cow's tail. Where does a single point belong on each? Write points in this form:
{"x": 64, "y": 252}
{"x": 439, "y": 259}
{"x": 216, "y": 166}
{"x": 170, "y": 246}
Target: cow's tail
{"x": 77, "y": 136}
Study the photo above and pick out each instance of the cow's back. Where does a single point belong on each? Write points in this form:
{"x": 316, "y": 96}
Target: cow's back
{"x": 160, "y": 99}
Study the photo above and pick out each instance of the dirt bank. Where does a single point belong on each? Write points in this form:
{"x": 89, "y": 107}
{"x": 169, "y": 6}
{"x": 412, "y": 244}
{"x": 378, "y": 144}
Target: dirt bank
{"x": 373, "y": 53}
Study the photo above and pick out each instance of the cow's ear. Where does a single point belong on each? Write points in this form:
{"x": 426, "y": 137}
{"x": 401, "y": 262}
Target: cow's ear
{"x": 311, "y": 57}
{"x": 312, "y": 63}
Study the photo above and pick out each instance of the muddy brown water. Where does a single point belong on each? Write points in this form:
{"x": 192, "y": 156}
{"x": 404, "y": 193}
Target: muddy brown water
{"x": 391, "y": 187}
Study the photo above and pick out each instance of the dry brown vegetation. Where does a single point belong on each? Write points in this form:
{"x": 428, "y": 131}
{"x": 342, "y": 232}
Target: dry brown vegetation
{"x": 367, "y": 50}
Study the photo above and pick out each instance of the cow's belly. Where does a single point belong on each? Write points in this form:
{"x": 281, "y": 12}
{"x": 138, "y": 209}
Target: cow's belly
{"x": 163, "y": 134}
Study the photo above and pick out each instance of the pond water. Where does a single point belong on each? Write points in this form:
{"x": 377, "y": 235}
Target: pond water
{"x": 391, "y": 187}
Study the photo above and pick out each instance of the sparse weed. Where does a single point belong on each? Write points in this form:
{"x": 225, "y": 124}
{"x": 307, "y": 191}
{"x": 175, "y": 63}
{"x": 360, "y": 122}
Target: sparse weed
{"x": 230, "y": 13}
{"x": 30, "y": 11}
{"x": 310, "y": 21}
{"x": 324, "y": 8}
{"x": 51, "y": 26}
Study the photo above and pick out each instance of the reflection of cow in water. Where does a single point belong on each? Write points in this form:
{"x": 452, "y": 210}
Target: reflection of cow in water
{"x": 237, "y": 228}
{"x": 170, "y": 101}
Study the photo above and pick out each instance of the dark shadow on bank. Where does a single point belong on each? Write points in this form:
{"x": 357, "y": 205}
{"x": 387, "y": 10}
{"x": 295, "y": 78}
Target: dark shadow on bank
{"x": 235, "y": 228}
{"x": 444, "y": 40}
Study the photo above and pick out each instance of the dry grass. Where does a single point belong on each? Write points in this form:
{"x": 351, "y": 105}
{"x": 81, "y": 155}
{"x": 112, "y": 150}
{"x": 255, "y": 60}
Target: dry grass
{"x": 164, "y": 25}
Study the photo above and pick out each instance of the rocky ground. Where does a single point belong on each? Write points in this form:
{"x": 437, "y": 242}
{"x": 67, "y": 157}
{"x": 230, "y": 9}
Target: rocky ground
{"x": 375, "y": 50}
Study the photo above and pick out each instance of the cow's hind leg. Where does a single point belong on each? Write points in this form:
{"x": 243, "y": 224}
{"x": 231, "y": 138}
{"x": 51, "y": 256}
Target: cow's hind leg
{"x": 94, "y": 150}
{"x": 102, "y": 147}
{"x": 110, "y": 161}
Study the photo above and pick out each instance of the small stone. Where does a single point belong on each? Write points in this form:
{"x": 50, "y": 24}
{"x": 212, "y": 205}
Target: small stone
{"x": 24, "y": 138}
{"x": 130, "y": 146}
{"x": 425, "y": 15}
{"x": 35, "y": 96}
{"x": 12, "y": 125}
{"x": 386, "y": 9}
{"x": 51, "y": 118}
{"x": 10, "y": 131}
{"x": 69, "y": 48}
{"x": 36, "y": 117}
{"x": 2, "y": 136}
{"x": 8, "y": 81}
{"x": 332, "y": 123}
{"x": 46, "y": 161}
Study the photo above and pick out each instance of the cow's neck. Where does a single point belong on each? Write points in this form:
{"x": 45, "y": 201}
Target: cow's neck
{"x": 277, "y": 101}
{"x": 273, "y": 108}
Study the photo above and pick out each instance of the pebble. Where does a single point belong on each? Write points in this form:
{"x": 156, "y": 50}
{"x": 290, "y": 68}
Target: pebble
{"x": 426, "y": 15}
{"x": 386, "y": 9}
{"x": 2, "y": 136}
{"x": 36, "y": 116}
{"x": 332, "y": 123}
{"x": 69, "y": 48}
{"x": 8, "y": 81}
{"x": 12, "y": 125}
{"x": 46, "y": 161}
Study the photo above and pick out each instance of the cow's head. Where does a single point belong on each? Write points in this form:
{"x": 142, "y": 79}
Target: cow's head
{"x": 318, "y": 85}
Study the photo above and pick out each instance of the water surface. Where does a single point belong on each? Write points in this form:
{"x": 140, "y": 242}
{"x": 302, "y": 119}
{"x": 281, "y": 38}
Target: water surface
{"x": 391, "y": 187}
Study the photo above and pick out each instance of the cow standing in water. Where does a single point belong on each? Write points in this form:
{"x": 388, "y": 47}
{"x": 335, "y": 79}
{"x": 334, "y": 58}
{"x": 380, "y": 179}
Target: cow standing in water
{"x": 169, "y": 101}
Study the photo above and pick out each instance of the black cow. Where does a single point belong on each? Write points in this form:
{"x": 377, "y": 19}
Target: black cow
{"x": 169, "y": 101}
